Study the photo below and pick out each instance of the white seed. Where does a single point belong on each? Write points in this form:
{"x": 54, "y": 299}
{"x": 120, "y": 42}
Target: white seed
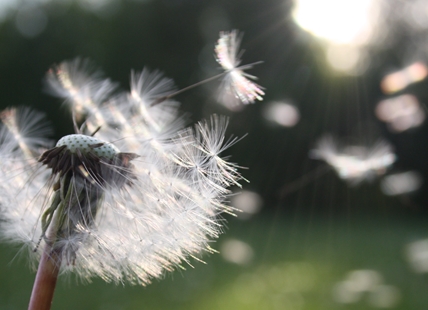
{"x": 86, "y": 144}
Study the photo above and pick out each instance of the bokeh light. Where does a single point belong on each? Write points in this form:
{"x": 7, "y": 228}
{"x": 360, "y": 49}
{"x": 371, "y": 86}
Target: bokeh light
{"x": 31, "y": 16}
{"x": 282, "y": 114}
{"x": 366, "y": 286}
{"x": 247, "y": 203}
{"x": 400, "y": 113}
{"x": 417, "y": 255}
{"x": 237, "y": 252}
{"x": 384, "y": 296}
{"x": 31, "y": 21}
{"x": 399, "y": 80}
{"x": 401, "y": 183}
{"x": 416, "y": 14}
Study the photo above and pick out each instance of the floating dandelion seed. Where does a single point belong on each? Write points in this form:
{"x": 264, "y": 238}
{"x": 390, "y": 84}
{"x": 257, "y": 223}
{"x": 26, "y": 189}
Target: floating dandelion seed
{"x": 126, "y": 211}
{"x": 355, "y": 163}
{"x": 236, "y": 86}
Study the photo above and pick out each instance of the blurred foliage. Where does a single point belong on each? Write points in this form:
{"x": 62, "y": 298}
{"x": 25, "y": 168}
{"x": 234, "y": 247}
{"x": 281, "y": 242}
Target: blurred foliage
{"x": 296, "y": 266}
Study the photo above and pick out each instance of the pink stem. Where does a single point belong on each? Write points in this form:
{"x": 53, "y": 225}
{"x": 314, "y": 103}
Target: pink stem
{"x": 45, "y": 282}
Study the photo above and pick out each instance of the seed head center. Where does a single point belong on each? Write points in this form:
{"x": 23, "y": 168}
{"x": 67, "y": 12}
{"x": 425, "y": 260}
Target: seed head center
{"x": 87, "y": 144}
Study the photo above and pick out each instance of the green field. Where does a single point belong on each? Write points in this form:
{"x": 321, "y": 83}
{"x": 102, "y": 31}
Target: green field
{"x": 296, "y": 264}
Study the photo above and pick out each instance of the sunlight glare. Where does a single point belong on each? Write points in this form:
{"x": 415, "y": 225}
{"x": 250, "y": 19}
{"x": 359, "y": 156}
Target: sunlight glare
{"x": 346, "y": 27}
{"x": 338, "y": 21}
{"x": 347, "y": 58}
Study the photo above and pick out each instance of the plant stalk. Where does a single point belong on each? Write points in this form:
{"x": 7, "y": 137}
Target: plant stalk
{"x": 47, "y": 272}
{"x": 45, "y": 282}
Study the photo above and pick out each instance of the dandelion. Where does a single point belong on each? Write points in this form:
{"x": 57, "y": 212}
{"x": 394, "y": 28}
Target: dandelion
{"x": 131, "y": 194}
{"x": 236, "y": 85}
{"x": 355, "y": 163}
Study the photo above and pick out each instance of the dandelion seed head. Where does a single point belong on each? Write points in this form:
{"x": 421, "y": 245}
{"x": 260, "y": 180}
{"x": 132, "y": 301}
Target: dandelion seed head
{"x": 125, "y": 212}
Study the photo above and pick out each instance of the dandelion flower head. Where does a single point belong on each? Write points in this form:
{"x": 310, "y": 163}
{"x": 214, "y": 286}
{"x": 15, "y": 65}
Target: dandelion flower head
{"x": 131, "y": 194}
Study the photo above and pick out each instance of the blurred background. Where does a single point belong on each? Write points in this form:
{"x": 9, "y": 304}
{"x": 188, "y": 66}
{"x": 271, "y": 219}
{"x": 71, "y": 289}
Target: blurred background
{"x": 334, "y": 215}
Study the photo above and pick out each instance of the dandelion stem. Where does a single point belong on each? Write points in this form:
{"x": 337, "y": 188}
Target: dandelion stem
{"x": 161, "y": 99}
{"x": 45, "y": 282}
{"x": 47, "y": 272}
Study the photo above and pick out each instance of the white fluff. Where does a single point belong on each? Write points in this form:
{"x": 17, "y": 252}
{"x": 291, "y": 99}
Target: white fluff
{"x": 166, "y": 214}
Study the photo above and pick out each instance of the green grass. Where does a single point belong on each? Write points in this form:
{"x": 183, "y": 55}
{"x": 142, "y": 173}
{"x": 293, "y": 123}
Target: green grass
{"x": 296, "y": 265}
